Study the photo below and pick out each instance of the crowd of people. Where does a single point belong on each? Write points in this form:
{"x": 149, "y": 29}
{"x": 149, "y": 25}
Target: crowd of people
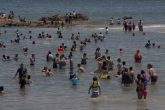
{"x": 106, "y": 64}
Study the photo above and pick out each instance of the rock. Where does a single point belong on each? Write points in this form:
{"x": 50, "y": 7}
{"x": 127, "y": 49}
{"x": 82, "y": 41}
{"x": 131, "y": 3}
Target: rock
{"x": 45, "y": 21}
{"x": 127, "y": 17}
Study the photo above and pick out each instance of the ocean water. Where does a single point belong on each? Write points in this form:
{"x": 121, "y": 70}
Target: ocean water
{"x": 151, "y": 11}
{"x": 56, "y": 92}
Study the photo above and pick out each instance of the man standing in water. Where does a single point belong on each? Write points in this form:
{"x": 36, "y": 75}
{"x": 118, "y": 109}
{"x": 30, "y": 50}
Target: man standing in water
{"x": 22, "y": 71}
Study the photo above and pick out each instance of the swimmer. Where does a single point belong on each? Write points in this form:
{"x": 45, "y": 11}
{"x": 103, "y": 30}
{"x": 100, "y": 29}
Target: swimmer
{"x": 22, "y": 82}
{"x": 106, "y": 51}
{"x": 95, "y": 87}
{"x": 2, "y": 92}
{"x": 80, "y": 68}
{"x": 119, "y": 68}
{"x": 153, "y": 74}
{"x": 49, "y": 56}
{"x": 121, "y": 50}
{"x": 148, "y": 44}
{"x": 4, "y": 58}
{"x": 110, "y": 63}
{"x": 8, "y": 58}
{"x": 84, "y": 59}
{"x": 74, "y": 79}
{"x": 25, "y": 50}
{"x": 48, "y": 73}
{"x": 97, "y": 53}
{"x": 131, "y": 75}
{"x": 28, "y": 80}
{"x": 118, "y": 21}
{"x": 22, "y": 71}
{"x": 138, "y": 57}
{"x": 111, "y": 21}
{"x": 44, "y": 69}
{"x": 133, "y": 34}
{"x": 32, "y": 59}
{"x": 144, "y": 33}
{"x": 106, "y": 30}
{"x": 16, "y": 57}
{"x": 139, "y": 89}
{"x": 33, "y": 42}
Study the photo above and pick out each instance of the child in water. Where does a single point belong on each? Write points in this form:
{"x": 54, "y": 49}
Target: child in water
{"x": 28, "y": 80}
{"x": 119, "y": 68}
{"x": 142, "y": 85}
{"x": 2, "y": 92}
{"x": 95, "y": 87}
{"x": 148, "y": 44}
{"x": 49, "y": 73}
{"x": 80, "y": 68}
{"x": 74, "y": 79}
{"x": 32, "y": 59}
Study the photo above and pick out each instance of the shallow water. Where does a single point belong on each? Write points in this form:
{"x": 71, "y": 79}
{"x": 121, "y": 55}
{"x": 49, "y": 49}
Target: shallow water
{"x": 56, "y": 92}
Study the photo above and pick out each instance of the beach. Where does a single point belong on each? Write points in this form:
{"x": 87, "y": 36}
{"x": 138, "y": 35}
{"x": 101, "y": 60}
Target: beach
{"x": 56, "y": 92}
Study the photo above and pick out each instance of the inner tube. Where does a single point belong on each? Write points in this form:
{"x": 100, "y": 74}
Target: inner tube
{"x": 74, "y": 81}
{"x": 105, "y": 77}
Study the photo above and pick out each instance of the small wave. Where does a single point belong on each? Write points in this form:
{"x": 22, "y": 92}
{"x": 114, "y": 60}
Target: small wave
{"x": 111, "y": 28}
{"x": 155, "y": 26}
